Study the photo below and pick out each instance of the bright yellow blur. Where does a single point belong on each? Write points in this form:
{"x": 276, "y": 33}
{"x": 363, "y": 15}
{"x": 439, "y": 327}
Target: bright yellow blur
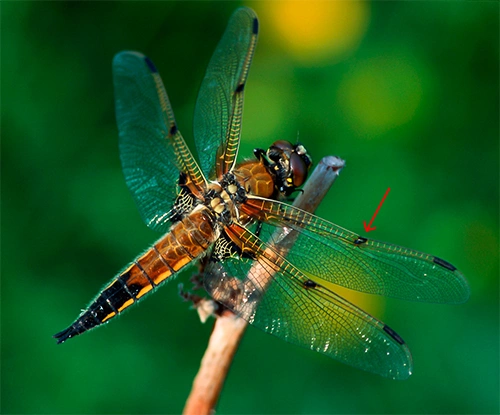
{"x": 371, "y": 304}
{"x": 313, "y": 31}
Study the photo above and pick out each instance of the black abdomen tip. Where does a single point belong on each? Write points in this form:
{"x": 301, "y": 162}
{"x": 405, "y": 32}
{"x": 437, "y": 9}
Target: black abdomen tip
{"x": 66, "y": 334}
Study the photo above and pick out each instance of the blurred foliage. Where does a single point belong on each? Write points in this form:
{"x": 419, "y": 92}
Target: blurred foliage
{"x": 406, "y": 92}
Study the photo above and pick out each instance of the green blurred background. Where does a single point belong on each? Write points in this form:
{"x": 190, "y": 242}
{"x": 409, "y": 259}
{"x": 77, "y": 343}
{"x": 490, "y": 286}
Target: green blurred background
{"x": 406, "y": 92}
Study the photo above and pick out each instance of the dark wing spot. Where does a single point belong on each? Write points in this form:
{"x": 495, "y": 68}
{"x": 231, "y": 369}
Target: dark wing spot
{"x": 393, "y": 334}
{"x": 310, "y": 284}
{"x": 444, "y": 264}
{"x": 360, "y": 240}
{"x": 255, "y": 27}
{"x": 173, "y": 130}
{"x": 150, "y": 64}
{"x": 240, "y": 88}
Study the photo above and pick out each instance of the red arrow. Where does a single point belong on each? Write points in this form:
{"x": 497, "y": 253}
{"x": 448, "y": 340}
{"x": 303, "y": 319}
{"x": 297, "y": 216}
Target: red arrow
{"x": 368, "y": 228}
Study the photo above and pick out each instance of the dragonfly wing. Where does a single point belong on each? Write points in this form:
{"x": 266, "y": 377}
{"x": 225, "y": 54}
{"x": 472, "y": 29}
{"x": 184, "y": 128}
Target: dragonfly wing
{"x": 279, "y": 299}
{"x": 152, "y": 150}
{"x": 217, "y": 118}
{"x": 327, "y": 251}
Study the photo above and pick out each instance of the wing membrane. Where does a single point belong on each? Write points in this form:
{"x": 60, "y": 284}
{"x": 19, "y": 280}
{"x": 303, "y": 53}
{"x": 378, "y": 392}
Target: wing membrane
{"x": 152, "y": 149}
{"x": 325, "y": 250}
{"x": 219, "y": 107}
{"x": 277, "y": 298}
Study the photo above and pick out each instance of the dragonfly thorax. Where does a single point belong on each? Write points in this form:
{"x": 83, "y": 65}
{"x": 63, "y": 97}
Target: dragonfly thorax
{"x": 236, "y": 192}
{"x": 224, "y": 197}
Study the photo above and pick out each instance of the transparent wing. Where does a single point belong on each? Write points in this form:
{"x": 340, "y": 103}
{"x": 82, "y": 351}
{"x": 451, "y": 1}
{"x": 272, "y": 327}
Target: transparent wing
{"x": 217, "y": 118}
{"x": 152, "y": 149}
{"x": 279, "y": 299}
{"x": 324, "y": 250}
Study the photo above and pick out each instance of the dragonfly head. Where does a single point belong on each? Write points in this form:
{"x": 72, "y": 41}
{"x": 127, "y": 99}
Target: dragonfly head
{"x": 290, "y": 164}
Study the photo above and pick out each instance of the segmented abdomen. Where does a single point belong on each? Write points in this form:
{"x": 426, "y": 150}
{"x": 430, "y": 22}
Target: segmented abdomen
{"x": 186, "y": 241}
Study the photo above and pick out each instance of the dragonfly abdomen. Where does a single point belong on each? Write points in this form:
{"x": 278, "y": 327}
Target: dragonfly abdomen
{"x": 186, "y": 241}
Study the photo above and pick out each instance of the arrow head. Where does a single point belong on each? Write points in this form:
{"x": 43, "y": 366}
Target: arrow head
{"x": 368, "y": 228}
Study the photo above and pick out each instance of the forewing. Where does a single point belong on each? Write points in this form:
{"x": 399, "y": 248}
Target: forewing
{"x": 152, "y": 150}
{"x": 327, "y": 251}
{"x": 217, "y": 118}
{"x": 276, "y": 297}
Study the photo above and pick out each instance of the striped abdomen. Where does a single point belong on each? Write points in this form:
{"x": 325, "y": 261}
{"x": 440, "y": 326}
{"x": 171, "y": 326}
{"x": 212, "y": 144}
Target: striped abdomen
{"x": 186, "y": 241}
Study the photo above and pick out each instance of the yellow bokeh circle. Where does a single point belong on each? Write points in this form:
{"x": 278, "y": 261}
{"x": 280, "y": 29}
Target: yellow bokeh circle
{"x": 313, "y": 31}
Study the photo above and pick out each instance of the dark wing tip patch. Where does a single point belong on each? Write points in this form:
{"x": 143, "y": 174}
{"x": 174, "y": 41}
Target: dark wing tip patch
{"x": 444, "y": 264}
{"x": 150, "y": 64}
{"x": 240, "y": 88}
{"x": 360, "y": 240}
{"x": 255, "y": 28}
{"x": 173, "y": 129}
{"x": 394, "y": 335}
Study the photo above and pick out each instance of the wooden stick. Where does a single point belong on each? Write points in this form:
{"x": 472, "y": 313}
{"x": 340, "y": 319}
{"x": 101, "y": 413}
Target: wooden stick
{"x": 228, "y": 328}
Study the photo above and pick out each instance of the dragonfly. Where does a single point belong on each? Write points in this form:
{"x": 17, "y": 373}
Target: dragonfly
{"x": 227, "y": 215}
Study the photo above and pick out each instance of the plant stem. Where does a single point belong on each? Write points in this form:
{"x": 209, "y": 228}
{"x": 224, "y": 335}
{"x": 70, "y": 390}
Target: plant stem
{"x": 229, "y": 328}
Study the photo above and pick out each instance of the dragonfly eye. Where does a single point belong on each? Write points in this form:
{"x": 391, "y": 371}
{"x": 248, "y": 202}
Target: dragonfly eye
{"x": 282, "y": 145}
{"x": 299, "y": 167}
